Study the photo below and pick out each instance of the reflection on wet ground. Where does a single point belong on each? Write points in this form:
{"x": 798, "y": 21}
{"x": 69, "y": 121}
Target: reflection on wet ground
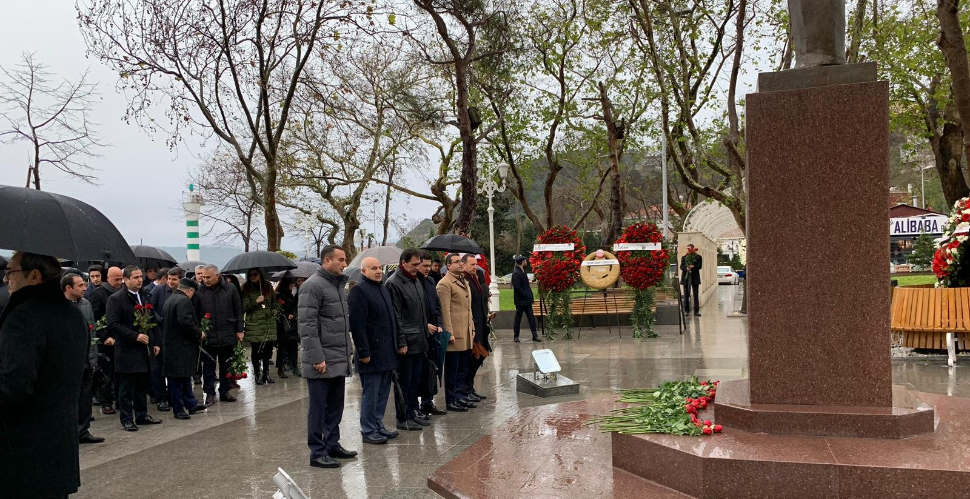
{"x": 233, "y": 450}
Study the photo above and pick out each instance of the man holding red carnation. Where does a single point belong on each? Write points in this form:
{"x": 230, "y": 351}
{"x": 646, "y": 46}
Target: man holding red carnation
{"x": 690, "y": 266}
{"x": 132, "y": 348}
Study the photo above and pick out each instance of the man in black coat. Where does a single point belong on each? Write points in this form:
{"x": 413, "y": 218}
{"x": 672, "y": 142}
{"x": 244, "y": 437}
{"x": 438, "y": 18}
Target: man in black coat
{"x": 221, "y": 301}
{"x": 43, "y": 348}
{"x": 523, "y": 298}
{"x": 429, "y": 386}
{"x": 158, "y": 296}
{"x": 132, "y": 349}
{"x": 374, "y": 329}
{"x": 690, "y": 266}
{"x": 414, "y": 326}
{"x": 181, "y": 342}
{"x": 107, "y": 385}
{"x": 475, "y": 278}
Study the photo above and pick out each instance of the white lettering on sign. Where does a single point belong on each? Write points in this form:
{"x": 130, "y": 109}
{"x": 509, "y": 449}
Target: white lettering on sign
{"x": 553, "y": 247}
{"x": 636, "y": 247}
{"x": 914, "y": 226}
{"x": 599, "y": 263}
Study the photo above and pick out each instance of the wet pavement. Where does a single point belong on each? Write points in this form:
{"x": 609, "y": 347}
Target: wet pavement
{"x": 234, "y": 449}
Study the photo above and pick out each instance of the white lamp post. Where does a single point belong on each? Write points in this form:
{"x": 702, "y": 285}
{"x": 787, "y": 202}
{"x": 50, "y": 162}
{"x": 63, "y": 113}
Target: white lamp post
{"x": 307, "y": 222}
{"x": 488, "y": 186}
{"x": 922, "y": 181}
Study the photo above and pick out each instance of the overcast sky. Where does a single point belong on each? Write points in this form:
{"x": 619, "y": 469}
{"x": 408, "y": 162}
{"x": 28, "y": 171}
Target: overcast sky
{"x": 141, "y": 179}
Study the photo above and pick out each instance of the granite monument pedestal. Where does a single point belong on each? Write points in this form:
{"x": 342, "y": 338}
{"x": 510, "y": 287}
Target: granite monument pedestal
{"x": 552, "y": 386}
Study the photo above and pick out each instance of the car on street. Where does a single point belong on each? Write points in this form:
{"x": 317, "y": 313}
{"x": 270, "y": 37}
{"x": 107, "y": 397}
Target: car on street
{"x": 727, "y": 275}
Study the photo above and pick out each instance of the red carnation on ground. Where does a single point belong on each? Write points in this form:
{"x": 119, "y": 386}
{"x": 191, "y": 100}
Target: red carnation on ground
{"x": 718, "y": 428}
{"x": 244, "y": 375}
{"x": 707, "y": 430}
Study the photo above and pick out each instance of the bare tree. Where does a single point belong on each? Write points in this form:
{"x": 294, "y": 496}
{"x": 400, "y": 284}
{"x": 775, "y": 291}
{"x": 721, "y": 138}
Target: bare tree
{"x": 230, "y": 68}
{"x": 229, "y": 201}
{"x": 53, "y": 119}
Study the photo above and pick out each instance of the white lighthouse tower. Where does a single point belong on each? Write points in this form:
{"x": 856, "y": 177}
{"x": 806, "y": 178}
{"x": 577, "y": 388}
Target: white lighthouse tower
{"x": 192, "y": 204}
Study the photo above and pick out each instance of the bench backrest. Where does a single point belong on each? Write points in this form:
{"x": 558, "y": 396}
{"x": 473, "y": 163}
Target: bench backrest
{"x": 930, "y": 309}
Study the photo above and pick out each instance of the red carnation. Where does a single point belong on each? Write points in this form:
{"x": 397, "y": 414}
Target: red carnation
{"x": 90, "y": 327}
{"x": 228, "y": 376}
{"x": 707, "y": 422}
{"x": 707, "y": 430}
{"x": 244, "y": 375}
{"x": 137, "y": 307}
{"x": 718, "y": 428}
{"x": 208, "y": 315}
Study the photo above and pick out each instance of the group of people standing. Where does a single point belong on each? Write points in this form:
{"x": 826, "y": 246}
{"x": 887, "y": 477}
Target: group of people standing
{"x": 408, "y": 331}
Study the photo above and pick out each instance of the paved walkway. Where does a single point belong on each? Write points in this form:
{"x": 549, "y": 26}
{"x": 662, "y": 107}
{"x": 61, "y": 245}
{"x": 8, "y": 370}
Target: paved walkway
{"x": 233, "y": 450}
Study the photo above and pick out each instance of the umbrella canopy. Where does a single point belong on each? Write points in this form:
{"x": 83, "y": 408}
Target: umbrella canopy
{"x": 55, "y": 225}
{"x": 310, "y": 259}
{"x": 267, "y": 261}
{"x": 452, "y": 243}
{"x": 303, "y": 269}
{"x": 150, "y": 257}
{"x": 3, "y": 263}
{"x": 189, "y": 266}
{"x": 353, "y": 274}
{"x": 388, "y": 255}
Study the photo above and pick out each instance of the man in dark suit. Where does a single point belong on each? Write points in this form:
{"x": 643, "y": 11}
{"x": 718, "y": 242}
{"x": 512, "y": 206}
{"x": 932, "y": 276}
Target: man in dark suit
{"x": 690, "y": 267}
{"x": 43, "y": 348}
{"x": 523, "y": 298}
{"x": 107, "y": 388}
{"x": 475, "y": 277}
{"x": 436, "y": 343}
{"x": 414, "y": 326}
{"x": 374, "y": 328}
{"x": 181, "y": 342}
{"x": 132, "y": 350}
{"x": 221, "y": 300}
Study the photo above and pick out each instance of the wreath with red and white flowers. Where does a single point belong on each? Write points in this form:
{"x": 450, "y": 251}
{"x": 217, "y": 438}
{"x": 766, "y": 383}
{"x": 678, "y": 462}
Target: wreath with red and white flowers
{"x": 948, "y": 262}
{"x": 642, "y": 269}
{"x": 557, "y": 271}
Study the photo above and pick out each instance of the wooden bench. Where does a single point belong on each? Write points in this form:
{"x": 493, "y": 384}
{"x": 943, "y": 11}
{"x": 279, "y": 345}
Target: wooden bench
{"x": 595, "y": 304}
{"x": 934, "y": 318}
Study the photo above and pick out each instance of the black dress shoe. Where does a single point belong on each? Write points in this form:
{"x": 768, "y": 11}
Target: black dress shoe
{"x": 697, "y": 314}
{"x": 468, "y": 403}
{"x": 227, "y": 398}
{"x": 456, "y": 408}
{"x": 281, "y": 374}
{"x": 536, "y": 338}
{"x": 163, "y": 407}
{"x": 259, "y": 381}
{"x": 129, "y": 426}
{"x": 324, "y": 462}
{"x": 480, "y": 396}
{"x": 88, "y": 438}
{"x": 267, "y": 379}
{"x": 423, "y": 416}
{"x": 197, "y": 408}
{"x": 340, "y": 452}
{"x": 148, "y": 420}
{"x": 515, "y": 340}
{"x": 431, "y": 409}
{"x": 422, "y": 422}
{"x": 473, "y": 398}
{"x": 182, "y": 415}
{"x": 374, "y": 438}
{"x": 389, "y": 434}
{"x": 409, "y": 426}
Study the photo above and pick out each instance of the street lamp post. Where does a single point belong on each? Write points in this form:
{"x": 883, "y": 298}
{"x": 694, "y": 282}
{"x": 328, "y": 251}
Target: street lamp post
{"x": 489, "y": 187}
{"x": 307, "y": 222}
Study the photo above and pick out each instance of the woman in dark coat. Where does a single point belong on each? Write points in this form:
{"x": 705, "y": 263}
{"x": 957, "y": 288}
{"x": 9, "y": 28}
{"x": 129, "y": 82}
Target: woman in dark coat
{"x": 181, "y": 343}
{"x": 287, "y": 335}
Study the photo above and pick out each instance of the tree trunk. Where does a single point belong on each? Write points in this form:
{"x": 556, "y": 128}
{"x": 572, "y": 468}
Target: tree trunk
{"x": 469, "y": 149}
{"x": 855, "y": 35}
{"x": 951, "y": 42}
{"x": 274, "y": 230}
{"x": 351, "y": 225}
{"x": 949, "y": 163}
{"x": 387, "y": 209}
{"x": 617, "y": 206}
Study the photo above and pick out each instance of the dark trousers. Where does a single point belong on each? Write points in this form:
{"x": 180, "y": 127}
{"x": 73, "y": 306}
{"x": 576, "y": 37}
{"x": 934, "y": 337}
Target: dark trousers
{"x": 323, "y": 418}
{"x": 132, "y": 393}
{"x": 473, "y": 366}
{"x": 529, "y": 314}
{"x": 375, "y": 389}
{"x": 286, "y": 353}
{"x": 222, "y": 356}
{"x": 262, "y": 352}
{"x": 84, "y": 402}
{"x": 691, "y": 287}
{"x": 180, "y": 391}
{"x": 108, "y": 388}
{"x": 456, "y": 372}
{"x": 158, "y": 389}
{"x": 428, "y": 387}
{"x": 409, "y": 376}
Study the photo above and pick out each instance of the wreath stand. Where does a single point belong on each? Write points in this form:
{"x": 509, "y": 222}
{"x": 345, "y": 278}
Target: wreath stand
{"x": 542, "y": 312}
{"x": 681, "y": 315}
{"x": 606, "y": 308}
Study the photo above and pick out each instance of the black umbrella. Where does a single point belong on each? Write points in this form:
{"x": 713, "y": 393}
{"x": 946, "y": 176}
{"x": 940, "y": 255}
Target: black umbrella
{"x": 452, "y": 243}
{"x": 303, "y": 269}
{"x": 3, "y": 263}
{"x": 150, "y": 257}
{"x": 55, "y": 225}
{"x": 267, "y": 261}
{"x": 190, "y": 266}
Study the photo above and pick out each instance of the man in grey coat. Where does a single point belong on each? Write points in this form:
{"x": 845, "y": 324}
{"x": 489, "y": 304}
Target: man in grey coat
{"x": 325, "y": 336}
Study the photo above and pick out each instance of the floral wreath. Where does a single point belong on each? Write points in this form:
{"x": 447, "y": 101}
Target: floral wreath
{"x": 947, "y": 259}
{"x": 642, "y": 269}
{"x": 557, "y": 271}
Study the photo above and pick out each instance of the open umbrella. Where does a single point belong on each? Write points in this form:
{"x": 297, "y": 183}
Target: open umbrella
{"x": 3, "y": 263}
{"x": 190, "y": 265}
{"x": 150, "y": 257}
{"x": 55, "y": 225}
{"x": 353, "y": 274}
{"x": 452, "y": 243}
{"x": 387, "y": 255}
{"x": 267, "y": 261}
{"x": 303, "y": 269}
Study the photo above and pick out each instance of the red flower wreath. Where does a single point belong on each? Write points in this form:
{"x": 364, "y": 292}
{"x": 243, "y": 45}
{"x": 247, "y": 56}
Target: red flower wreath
{"x": 950, "y": 251}
{"x": 642, "y": 269}
{"x": 557, "y": 271}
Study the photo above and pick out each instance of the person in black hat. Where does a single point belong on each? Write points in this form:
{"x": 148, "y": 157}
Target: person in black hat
{"x": 523, "y": 298}
{"x": 181, "y": 343}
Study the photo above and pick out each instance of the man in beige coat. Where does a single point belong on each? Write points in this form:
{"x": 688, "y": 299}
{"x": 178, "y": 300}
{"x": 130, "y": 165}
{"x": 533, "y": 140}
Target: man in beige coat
{"x": 456, "y": 314}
